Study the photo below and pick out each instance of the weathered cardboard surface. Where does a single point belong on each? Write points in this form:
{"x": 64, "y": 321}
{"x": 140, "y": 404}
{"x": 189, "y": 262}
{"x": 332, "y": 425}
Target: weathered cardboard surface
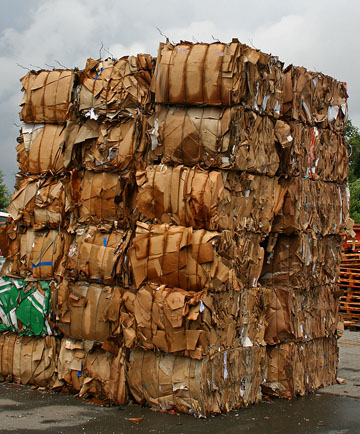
{"x": 35, "y": 254}
{"x": 302, "y": 261}
{"x": 302, "y": 315}
{"x": 47, "y": 96}
{"x": 112, "y": 87}
{"x": 194, "y": 324}
{"x": 299, "y": 368}
{"x": 181, "y": 257}
{"x": 314, "y": 98}
{"x": 227, "y": 138}
{"x": 231, "y": 379}
{"x": 315, "y": 153}
{"x": 28, "y": 360}
{"x": 40, "y": 149}
{"x": 105, "y": 197}
{"x": 213, "y": 200}
{"x": 88, "y": 311}
{"x": 41, "y": 202}
{"x": 311, "y": 205}
{"x": 218, "y": 74}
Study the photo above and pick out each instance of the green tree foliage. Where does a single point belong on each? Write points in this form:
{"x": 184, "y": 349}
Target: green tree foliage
{"x": 4, "y": 193}
{"x": 352, "y": 137}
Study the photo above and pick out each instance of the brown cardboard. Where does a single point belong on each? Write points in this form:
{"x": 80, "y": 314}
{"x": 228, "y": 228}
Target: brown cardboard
{"x": 302, "y": 261}
{"x": 112, "y": 87}
{"x": 47, "y": 96}
{"x": 99, "y": 255}
{"x": 218, "y": 74}
{"x": 28, "y": 360}
{"x": 213, "y": 200}
{"x": 299, "y": 368}
{"x": 302, "y": 315}
{"x": 88, "y": 311}
{"x": 227, "y": 138}
{"x": 179, "y": 256}
{"x": 231, "y": 379}
{"x": 194, "y": 324}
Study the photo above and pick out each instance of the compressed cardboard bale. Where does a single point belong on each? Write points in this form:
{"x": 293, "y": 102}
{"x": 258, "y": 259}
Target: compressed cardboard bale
{"x": 218, "y": 74}
{"x": 99, "y": 255}
{"x": 47, "y": 96}
{"x": 28, "y": 360}
{"x": 25, "y": 306}
{"x": 231, "y": 379}
{"x": 302, "y": 261}
{"x": 36, "y": 254}
{"x": 322, "y": 207}
{"x": 112, "y": 87}
{"x": 88, "y": 311}
{"x": 40, "y": 149}
{"x": 227, "y": 138}
{"x": 105, "y": 197}
{"x": 181, "y": 257}
{"x": 213, "y": 200}
{"x": 193, "y": 324}
{"x": 41, "y": 202}
{"x": 312, "y": 152}
{"x": 314, "y": 98}
{"x": 299, "y": 368}
{"x": 302, "y": 315}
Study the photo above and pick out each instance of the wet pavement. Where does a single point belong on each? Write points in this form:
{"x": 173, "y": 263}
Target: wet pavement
{"x": 335, "y": 409}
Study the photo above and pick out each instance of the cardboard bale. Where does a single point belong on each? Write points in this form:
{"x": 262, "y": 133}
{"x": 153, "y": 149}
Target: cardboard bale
{"x": 99, "y": 255}
{"x": 113, "y": 87}
{"x": 36, "y": 254}
{"x": 231, "y": 379}
{"x": 25, "y": 306}
{"x": 310, "y": 205}
{"x": 106, "y": 197}
{"x": 314, "y": 98}
{"x": 213, "y": 200}
{"x": 88, "y": 311}
{"x": 218, "y": 74}
{"x": 302, "y": 261}
{"x": 299, "y": 368}
{"x": 302, "y": 315}
{"x": 181, "y": 257}
{"x": 87, "y": 369}
{"x": 193, "y": 324}
{"x": 227, "y": 138}
{"x": 28, "y": 360}
{"x": 40, "y": 149}
{"x": 314, "y": 153}
{"x": 47, "y": 96}
{"x": 41, "y": 202}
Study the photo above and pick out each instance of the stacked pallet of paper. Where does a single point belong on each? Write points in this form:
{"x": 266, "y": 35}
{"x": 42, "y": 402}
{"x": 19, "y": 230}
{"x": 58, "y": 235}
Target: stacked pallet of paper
{"x": 169, "y": 222}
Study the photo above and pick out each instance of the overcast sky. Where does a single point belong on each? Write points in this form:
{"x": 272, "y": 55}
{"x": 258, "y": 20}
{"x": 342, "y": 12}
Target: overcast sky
{"x": 321, "y": 35}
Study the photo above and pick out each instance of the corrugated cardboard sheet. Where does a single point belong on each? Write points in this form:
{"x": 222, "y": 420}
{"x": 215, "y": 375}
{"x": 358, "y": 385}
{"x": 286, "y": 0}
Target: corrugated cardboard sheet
{"x": 314, "y": 98}
{"x": 194, "y": 324}
{"x": 218, "y": 74}
{"x": 181, "y": 257}
{"x": 47, "y": 96}
{"x": 213, "y": 200}
{"x": 88, "y": 311}
{"x": 302, "y": 315}
{"x": 302, "y": 261}
{"x": 214, "y": 137}
{"x": 113, "y": 87}
{"x": 28, "y": 360}
{"x": 298, "y": 368}
{"x": 230, "y": 380}
{"x": 99, "y": 255}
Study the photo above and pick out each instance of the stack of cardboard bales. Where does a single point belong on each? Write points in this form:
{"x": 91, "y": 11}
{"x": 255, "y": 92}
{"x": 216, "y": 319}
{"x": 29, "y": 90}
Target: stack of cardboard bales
{"x": 182, "y": 252}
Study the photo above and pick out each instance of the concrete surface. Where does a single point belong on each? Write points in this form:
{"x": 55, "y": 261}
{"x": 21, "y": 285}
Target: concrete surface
{"x": 333, "y": 410}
